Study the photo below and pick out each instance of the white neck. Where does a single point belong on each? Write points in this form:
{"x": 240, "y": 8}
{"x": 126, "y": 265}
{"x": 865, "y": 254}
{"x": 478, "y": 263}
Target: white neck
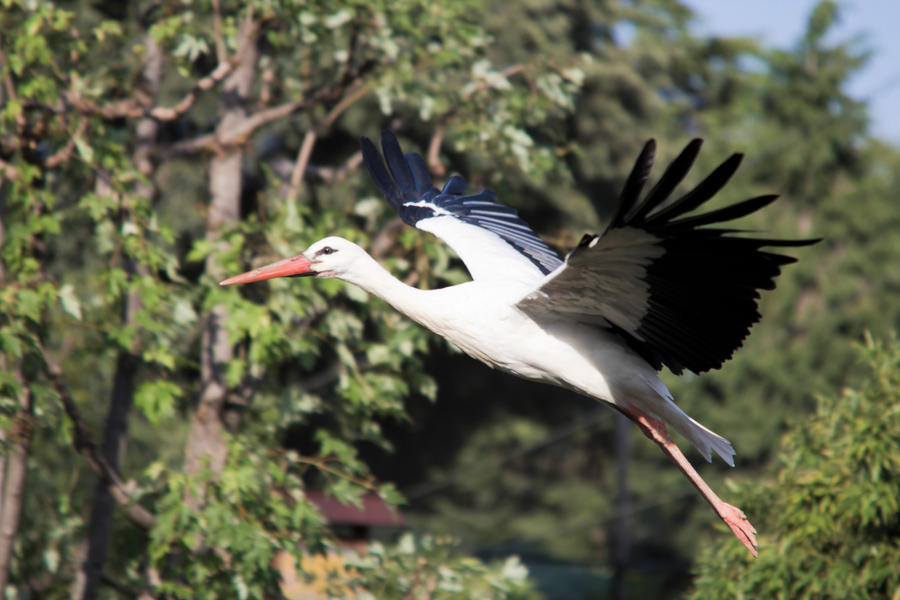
{"x": 375, "y": 279}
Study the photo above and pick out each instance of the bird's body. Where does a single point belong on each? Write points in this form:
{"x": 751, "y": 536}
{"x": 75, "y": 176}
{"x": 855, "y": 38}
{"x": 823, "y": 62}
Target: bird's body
{"x": 657, "y": 287}
{"x": 482, "y": 319}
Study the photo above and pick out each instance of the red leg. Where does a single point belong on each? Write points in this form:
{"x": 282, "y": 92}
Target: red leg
{"x": 732, "y": 515}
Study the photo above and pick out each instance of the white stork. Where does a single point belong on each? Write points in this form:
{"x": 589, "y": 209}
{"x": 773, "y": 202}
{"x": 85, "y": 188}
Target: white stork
{"x": 655, "y": 288}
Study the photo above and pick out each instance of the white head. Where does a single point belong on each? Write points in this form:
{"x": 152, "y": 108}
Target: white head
{"x": 329, "y": 257}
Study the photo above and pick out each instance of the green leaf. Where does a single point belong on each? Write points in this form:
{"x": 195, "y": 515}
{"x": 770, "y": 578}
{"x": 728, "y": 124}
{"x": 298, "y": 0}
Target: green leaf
{"x": 390, "y": 494}
{"x": 69, "y": 301}
{"x": 200, "y": 250}
{"x": 160, "y": 355}
{"x": 84, "y": 149}
{"x": 183, "y": 312}
{"x": 10, "y": 344}
{"x": 29, "y": 304}
{"x": 156, "y": 399}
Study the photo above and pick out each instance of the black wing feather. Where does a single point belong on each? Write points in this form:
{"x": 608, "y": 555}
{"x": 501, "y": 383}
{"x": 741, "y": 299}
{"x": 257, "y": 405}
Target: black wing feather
{"x": 690, "y": 292}
{"x": 419, "y": 171}
{"x": 397, "y": 163}
{"x": 674, "y": 174}
{"x": 729, "y": 213}
{"x": 379, "y": 173}
{"x": 455, "y": 185}
{"x": 705, "y": 190}
{"x": 703, "y": 290}
{"x": 636, "y": 180}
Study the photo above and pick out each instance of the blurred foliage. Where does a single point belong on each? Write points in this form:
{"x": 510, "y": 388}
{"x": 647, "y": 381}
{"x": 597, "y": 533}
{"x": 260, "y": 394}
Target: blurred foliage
{"x": 547, "y": 102}
{"x": 831, "y": 510}
{"x": 87, "y": 225}
{"x": 432, "y": 567}
{"x": 786, "y": 109}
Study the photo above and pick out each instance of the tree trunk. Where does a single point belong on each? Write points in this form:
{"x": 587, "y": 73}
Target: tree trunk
{"x": 3, "y": 365}
{"x": 17, "y": 441}
{"x": 92, "y": 554}
{"x": 208, "y": 423}
{"x": 13, "y": 483}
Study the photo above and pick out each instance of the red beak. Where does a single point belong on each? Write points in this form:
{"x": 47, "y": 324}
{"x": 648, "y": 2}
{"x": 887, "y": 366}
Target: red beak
{"x": 295, "y": 266}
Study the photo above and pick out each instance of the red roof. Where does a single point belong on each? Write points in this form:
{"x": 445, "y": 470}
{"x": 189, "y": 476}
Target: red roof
{"x": 373, "y": 511}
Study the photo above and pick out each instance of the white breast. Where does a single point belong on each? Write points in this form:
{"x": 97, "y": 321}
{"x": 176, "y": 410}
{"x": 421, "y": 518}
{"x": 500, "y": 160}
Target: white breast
{"x": 483, "y": 323}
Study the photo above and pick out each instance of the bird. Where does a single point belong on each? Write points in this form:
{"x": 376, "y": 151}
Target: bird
{"x": 660, "y": 286}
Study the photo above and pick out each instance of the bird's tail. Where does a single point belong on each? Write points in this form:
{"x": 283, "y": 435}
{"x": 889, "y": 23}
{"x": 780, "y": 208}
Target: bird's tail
{"x": 704, "y": 439}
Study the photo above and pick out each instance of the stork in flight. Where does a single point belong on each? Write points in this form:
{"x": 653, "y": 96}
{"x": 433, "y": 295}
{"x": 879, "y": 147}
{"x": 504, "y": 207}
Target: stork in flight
{"x": 656, "y": 287}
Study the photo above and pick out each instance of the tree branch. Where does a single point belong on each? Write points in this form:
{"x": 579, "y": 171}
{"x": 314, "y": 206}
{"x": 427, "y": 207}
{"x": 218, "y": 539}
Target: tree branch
{"x": 266, "y": 79}
{"x": 85, "y": 446}
{"x": 221, "y": 53}
{"x": 10, "y": 87}
{"x": 8, "y": 171}
{"x": 434, "y": 146}
{"x": 310, "y": 139}
{"x": 64, "y": 153}
{"x": 434, "y": 150}
{"x": 56, "y": 159}
{"x": 204, "y": 142}
{"x": 246, "y": 127}
{"x": 141, "y": 105}
{"x": 162, "y": 113}
{"x": 329, "y": 174}
{"x": 306, "y": 147}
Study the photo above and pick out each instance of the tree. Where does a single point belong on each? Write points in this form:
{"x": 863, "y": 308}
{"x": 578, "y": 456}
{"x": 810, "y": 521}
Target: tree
{"x": 145, "y": 149}
{"x": 804, "y": 138}
{"x": 832, "y": 510}
{"x": 118, "y": 125}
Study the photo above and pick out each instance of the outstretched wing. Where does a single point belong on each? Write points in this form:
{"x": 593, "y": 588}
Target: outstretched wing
{"x": 681, "y": 294}
{"x": 489, "y": 237}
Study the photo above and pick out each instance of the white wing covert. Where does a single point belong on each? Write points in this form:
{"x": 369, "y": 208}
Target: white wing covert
{"x": 490, "y": 238}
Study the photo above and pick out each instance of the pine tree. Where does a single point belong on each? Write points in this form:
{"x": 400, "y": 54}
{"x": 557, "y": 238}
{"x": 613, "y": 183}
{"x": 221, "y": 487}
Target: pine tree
{"x": 830, "y": 515}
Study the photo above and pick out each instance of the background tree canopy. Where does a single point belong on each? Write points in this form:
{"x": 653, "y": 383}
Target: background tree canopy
{"x": 161, "y": 435}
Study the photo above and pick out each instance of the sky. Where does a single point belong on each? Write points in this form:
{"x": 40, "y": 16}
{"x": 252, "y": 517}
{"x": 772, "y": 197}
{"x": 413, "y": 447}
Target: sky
{"x": 780, "y": 23}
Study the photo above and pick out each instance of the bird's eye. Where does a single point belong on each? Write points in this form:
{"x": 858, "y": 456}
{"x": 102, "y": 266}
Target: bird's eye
{"x": 326, "y": 250}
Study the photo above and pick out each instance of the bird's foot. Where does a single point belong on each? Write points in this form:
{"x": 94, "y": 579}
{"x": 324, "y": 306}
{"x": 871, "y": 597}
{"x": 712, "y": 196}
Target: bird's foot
{"x": 739, "y": 524}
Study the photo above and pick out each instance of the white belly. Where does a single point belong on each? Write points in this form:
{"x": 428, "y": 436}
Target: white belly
{"x": 584, "y": 358}
{"x": 483, "y": 322}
